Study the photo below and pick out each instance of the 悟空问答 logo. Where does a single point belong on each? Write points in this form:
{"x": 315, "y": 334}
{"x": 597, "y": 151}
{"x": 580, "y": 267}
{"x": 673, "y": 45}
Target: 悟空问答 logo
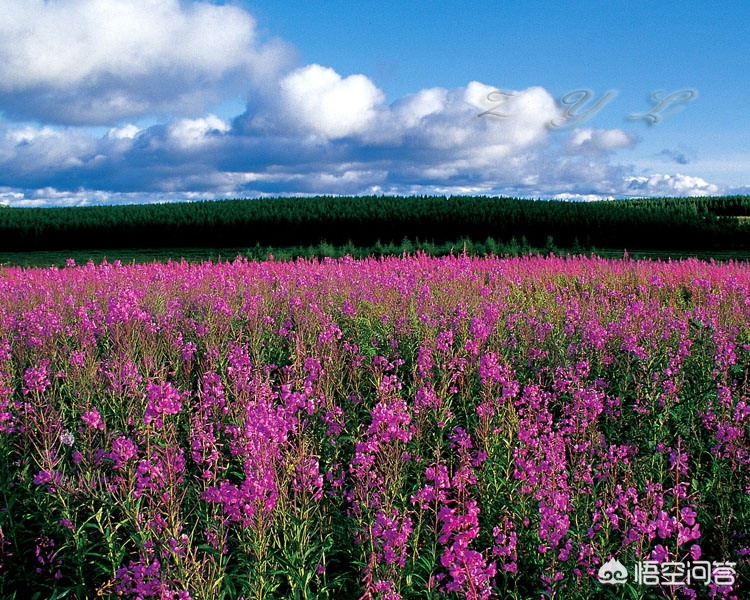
{"x": 612, "y": 572}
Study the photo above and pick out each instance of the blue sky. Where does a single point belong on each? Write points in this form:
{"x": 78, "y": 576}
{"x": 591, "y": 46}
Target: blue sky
{"x": 122, "y": 101}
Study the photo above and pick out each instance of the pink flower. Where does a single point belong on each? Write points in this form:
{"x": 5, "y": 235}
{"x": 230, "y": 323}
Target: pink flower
{"x": 163, "y": 399}
{"x": 36, "y": 379}
{"x": 660, "y": 554}
{"x": 123, "y": 450}
{"x": 93, "y": 419}
{"x": 695, "y": 551}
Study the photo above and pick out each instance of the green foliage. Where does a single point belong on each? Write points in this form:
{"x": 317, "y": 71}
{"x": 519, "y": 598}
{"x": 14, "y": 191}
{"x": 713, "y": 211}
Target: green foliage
{"x": 327, "y": 222}
{"x": 617, "y": 368}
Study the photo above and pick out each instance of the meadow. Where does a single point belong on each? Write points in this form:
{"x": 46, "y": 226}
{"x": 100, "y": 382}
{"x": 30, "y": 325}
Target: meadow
{"x": 375, "y": 428}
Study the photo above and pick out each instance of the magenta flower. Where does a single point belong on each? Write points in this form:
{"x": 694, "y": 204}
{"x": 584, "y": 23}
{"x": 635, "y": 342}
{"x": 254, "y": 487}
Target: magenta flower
{"x": 659, "y": 554}
{"x": 123, "y": 450}
{"x": 308, "y": 479}
{"x": 163, "y": 399}
{"x": 93, "y": 419}
{"x": 391, "y": 536}
{"x": 37, "y": 379}
{"x": 43, "y": 478}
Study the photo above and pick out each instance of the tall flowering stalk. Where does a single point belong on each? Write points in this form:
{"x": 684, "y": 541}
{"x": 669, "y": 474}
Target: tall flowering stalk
{"x": 408, "y": 427}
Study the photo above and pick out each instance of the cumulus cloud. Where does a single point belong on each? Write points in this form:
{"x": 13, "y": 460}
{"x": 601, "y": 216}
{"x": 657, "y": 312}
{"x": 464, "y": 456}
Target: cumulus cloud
{"x": 307, "y": 129}
{"x": 458, "y": 123}
{"x": 318, "y": 100}
{"x": 433, "y": 141}
{"x": 670, "y": 185}
{"x": 435, "y": 136}
{"x": 411, "y": 110}
{"x": 128, "y": 132}
{"x": 95, "y": 61}
{"x": 599, "y": 141}
{"x": 196, "y": 133}
{"x": 26, "y": 151}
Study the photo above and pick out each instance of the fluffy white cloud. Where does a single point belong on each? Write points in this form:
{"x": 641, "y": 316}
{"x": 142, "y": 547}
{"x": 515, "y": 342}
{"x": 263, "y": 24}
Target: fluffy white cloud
{"x": 318, "y": 100}
{"x": 192, "y": 133}
{"x": 9, "y": 196}
{"x": 95, "y": 61}
{"x": 347, "y": 141}
{"x": 28, "y": 150}
{"x": 669, "y": 185}
{"x": 127, "y": 132}
{"x": 434, "y": 136}
{"x": 599, "y": 141}
{"x": 411, "y": 110}
{"x": 68, "y": 64}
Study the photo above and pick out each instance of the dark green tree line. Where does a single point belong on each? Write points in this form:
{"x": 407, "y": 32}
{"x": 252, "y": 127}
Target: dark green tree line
{"x": 658, "y": 223}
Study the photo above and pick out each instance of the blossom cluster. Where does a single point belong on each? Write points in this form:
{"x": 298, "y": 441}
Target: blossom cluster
{"x": 405, "y": 427}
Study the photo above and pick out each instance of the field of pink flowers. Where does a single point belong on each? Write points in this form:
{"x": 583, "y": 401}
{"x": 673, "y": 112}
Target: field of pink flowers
{"x": 408, "y": 427}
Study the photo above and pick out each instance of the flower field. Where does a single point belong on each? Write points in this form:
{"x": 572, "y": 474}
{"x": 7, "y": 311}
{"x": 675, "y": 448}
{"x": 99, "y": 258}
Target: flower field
{"x": 408, "y": 427}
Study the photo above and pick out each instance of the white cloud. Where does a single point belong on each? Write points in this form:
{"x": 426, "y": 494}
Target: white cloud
{"x": 345, "y": 141}
{"x": 412, "y": 109}
{"x": 95, "y": 61}
{"x": 443, "y": 119}
{"x": 669, "y": 185}
{"x": 306, "y": 130}
{"x": 27, "y": 149}
{"x": 10, "y": 196}
{"x": 318, "y": 100}
{"x": 599, "y": 141}
{"x": 127, "y": 132}
{"x": 192, "y": 133}
{"x": 581, "y": 197}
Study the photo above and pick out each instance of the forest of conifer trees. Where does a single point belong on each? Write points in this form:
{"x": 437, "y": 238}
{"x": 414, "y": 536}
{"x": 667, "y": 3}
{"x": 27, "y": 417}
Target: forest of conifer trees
{"x": 703, "y": 224}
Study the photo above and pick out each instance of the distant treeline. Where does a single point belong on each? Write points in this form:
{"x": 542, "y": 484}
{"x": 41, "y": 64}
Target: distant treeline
{"x": 713, "y": 223}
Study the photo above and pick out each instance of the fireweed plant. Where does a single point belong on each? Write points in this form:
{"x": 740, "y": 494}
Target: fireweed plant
{"x": 408, "y": 427}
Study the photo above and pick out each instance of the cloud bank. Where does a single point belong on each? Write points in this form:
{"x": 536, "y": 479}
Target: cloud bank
{"x": 69, "y": 65}
{"x": 89, "y": 62}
